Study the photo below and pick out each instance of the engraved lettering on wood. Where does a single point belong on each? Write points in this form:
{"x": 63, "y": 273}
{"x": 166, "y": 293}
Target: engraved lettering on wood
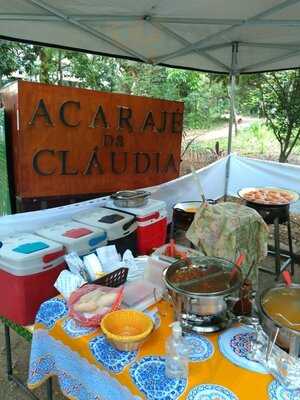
{"x": 74, "y": 141}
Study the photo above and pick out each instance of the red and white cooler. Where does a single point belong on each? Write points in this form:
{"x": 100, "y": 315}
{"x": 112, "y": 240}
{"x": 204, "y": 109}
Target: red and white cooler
{"x": 29, "y": 266}
{"x": 120, "y": 227}
{"x": 151, "y": 224}
{"x": 75, "y": 236}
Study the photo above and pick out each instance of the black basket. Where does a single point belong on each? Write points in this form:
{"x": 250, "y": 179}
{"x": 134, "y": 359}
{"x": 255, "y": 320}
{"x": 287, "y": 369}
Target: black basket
{"x": 114, "y": 279}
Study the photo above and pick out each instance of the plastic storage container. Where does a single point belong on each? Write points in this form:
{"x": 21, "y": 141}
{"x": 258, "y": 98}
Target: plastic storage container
{"x": 120, "y": 227}
{"x": 75, "y": 236}
{"x": 151, "y": 224}
{"x": 29, "y": 266}
{"x": 159, "y": 254}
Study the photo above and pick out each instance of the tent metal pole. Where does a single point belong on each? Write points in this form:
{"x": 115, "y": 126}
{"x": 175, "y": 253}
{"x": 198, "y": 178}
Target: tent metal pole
{"x": 232, "y": 108}
{"x": 232, "y": 81}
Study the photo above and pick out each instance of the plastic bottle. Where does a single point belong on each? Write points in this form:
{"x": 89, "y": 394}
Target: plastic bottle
{"x": 177, "y": 365}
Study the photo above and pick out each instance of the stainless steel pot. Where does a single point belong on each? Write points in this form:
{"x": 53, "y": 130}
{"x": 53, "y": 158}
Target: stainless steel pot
{"x": 130, "y": 198}
{"x": 206, "y": 295}
{"x": 285, "y": 337}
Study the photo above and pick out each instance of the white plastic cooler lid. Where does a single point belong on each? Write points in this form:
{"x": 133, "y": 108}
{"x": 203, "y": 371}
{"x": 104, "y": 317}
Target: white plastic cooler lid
{"x": 27, "y": 254}
{"x": 116, "y": 224}
{"x": 75, "y": 236}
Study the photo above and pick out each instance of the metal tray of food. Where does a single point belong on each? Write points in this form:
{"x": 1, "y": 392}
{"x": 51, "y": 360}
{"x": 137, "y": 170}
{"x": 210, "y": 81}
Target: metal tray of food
{"x": 272, "y": 196}
{"x": 130, "y": 198}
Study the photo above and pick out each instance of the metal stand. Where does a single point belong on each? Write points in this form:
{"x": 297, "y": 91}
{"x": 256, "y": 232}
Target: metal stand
{"x": 12, "y": 377}
{"x": 289, "y": 258}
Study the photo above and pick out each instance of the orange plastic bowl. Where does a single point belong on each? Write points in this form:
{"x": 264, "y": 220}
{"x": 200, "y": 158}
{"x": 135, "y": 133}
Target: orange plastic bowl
{"x": 126, "y": 329}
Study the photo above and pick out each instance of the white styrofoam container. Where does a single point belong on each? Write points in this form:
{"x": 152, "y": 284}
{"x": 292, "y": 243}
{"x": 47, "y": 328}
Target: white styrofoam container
{"x": 27, "y": 254}
{"x": 75, "y": 236}
{"x": 115, "y": 223}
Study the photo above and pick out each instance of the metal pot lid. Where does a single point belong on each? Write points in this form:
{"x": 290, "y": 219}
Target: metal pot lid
{"x": 281, "y": 304}
{"x": 130, "y": 194}
{"x": 203, "y": 276}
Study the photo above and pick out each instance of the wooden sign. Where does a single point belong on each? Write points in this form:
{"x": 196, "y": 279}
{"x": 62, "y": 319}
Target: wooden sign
{"x": 69, "y": 141}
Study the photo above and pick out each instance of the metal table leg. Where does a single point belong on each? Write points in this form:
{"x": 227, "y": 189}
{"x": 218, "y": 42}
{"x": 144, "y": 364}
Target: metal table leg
{"x": 49, "y": 389}
{"x": 288, "y": 256}
{"x": 291, "y": 251}
{"x": 277, "y": 247}
{"x": 8, "y": 353}
{"x": 12, "y": 377}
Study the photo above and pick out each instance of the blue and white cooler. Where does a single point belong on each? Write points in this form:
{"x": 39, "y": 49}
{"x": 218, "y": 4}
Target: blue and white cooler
{"x": 120, "y": 227}
{"x": 75, "y": 236}
{"x": 29, "y": 266}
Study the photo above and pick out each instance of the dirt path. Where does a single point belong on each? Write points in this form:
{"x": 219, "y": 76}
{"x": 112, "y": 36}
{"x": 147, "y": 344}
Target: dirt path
{"x": 219, "y": 132}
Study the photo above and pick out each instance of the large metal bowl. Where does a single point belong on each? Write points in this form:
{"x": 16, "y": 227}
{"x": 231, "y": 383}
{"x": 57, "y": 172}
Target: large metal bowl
{"x": 285, "y": 337}
{"x": 130, "y": 198}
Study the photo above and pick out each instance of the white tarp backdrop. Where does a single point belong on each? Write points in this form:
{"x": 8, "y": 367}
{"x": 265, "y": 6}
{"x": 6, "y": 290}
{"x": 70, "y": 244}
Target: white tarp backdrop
{"x": 194, "y": 34}
{"x": 253, "y": 172}
{"x": 243, "y": 172}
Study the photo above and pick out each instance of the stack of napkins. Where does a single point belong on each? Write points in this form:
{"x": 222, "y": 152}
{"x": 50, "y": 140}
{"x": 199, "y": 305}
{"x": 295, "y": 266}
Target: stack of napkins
{"x": 67, "y": 282}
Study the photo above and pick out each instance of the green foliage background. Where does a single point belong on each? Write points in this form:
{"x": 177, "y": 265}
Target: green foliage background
{"x": 273, "y": 96}
{"x": 205, "y": 95}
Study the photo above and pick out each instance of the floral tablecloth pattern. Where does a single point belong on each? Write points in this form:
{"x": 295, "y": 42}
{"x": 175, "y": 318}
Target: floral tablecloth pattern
{"x": 89, "y": 368}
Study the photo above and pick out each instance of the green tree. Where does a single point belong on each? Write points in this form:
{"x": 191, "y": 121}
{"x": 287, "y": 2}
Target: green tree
{"x": 280, "y": 102}
{"x": 92, "y": 71}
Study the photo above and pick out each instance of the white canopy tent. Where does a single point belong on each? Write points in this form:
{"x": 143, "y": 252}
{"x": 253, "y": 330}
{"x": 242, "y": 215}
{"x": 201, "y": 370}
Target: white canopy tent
{"x": 195, "y": 34}
{"x": 224, "y": 36}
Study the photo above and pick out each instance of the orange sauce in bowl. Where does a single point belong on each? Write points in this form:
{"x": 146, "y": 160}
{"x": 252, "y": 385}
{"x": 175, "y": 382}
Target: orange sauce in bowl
{"x": 191, "y": 210}
{"x": 283, "y": 306}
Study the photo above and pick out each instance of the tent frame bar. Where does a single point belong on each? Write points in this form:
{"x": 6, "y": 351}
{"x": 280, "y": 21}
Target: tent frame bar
{"x": 87, "y": 29}
{"x": 47, "y": 17}
{"x": 270, "y": 60}
{"x": 217, "y": 21}
{"x": 203, "y": 42}
{"x": 283, "y": 46}
{"x": 167, "y": 20}
{"x": 184, "y": 42}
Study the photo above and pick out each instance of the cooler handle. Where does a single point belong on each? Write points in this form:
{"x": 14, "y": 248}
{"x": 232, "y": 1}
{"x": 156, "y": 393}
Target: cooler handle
{"x": 53, "y": 256}
{"x": 154, "y": 215}
{"x": 128, "y": 225}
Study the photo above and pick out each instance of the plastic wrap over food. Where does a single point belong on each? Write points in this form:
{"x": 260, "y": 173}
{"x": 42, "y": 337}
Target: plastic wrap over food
{"x": 283, "y": 366}
{"x": 90, "y": 303}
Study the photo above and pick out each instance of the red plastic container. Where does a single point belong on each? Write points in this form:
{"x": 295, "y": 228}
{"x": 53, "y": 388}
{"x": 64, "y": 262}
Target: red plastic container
{"x": 151, "y": 224}
{"x": 29, "y": 266}
{"x": 21, "y": 296}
